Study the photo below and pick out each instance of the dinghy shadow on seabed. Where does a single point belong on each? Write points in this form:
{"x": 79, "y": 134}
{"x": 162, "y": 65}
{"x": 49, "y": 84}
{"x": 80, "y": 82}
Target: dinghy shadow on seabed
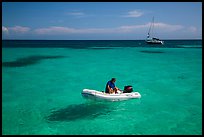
{"x": 79, "y": 111}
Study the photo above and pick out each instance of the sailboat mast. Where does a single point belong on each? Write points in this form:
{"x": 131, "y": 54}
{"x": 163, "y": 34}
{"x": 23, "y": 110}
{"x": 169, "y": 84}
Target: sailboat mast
{"x": 151, "y": 26}
{"x": 152, "y": 39}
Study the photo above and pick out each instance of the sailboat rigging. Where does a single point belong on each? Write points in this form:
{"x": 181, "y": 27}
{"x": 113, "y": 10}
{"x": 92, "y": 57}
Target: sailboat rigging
{"x": 150, "y": 39}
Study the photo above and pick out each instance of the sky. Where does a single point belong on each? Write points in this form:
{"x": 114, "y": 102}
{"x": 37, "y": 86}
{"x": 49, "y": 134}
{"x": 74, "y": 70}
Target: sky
{"x": 100, "y": 20}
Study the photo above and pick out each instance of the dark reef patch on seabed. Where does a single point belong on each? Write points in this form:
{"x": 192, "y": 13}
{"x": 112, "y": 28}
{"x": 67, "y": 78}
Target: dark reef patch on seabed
{"x": 79, "y": 111}
{"x": 181, "y": 77}
{"x": 148, "y": 51}
{"x": 30, "y": 60}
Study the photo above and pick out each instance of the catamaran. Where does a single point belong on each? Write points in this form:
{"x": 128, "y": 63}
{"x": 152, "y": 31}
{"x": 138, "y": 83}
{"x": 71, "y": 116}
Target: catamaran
{"x": 150, "y": 39}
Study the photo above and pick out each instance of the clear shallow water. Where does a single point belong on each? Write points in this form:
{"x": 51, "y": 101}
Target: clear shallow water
{"x": 41, "y": 90}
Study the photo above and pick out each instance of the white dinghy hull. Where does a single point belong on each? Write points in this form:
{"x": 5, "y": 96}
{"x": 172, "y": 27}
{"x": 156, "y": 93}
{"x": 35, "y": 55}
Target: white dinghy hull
{"x": 113, "y": 97}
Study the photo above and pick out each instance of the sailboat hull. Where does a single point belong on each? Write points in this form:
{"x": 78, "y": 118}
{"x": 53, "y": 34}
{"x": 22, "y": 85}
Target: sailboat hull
{"x": 154, "y": 42}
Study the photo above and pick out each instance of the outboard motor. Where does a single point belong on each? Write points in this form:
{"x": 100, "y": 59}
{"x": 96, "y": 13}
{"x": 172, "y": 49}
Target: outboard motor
{"x": 128, "y": 89}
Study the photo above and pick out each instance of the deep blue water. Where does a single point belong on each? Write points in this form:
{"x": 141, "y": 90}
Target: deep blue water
{"x": 81, "y": 44}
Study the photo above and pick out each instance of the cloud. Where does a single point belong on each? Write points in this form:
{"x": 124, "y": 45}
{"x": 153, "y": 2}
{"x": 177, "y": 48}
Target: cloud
{"x": 75, "y": 13}
{"x": 59, "y": 30}
{"x": 130, "y": 28}
{"x": 134, "y": 14}
{"x": 192, "y": 29}
{"x": 4, "y": 30}
{"x": 167, "y": 27}
{"x": 66, "y": 30}
{"x": 56, "y": 30}
{"x": 19, "y": 29}
{"x": 161, "y": 27}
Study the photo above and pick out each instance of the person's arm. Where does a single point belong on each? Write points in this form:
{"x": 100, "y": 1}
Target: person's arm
{"x": 117, "y": 88}
{"x": 109, "y": 88}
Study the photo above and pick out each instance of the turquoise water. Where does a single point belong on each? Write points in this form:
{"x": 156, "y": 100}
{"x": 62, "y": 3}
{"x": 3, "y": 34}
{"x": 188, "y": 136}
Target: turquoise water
{"x": 41, "y": 91}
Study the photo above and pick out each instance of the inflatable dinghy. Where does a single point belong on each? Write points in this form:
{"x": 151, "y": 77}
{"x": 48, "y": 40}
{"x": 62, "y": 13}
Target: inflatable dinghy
{"x": 115, "y": 96}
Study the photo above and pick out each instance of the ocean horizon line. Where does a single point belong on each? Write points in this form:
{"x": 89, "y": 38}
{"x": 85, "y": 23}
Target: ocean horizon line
{"x": 85, "y": 40}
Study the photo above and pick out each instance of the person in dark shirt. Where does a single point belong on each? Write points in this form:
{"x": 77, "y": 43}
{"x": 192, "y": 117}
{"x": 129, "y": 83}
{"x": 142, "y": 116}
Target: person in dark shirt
{"x": 110, "y": 86}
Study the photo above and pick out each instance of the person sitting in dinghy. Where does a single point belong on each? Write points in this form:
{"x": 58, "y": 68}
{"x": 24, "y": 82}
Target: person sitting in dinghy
{"x": 110, "y": 86}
